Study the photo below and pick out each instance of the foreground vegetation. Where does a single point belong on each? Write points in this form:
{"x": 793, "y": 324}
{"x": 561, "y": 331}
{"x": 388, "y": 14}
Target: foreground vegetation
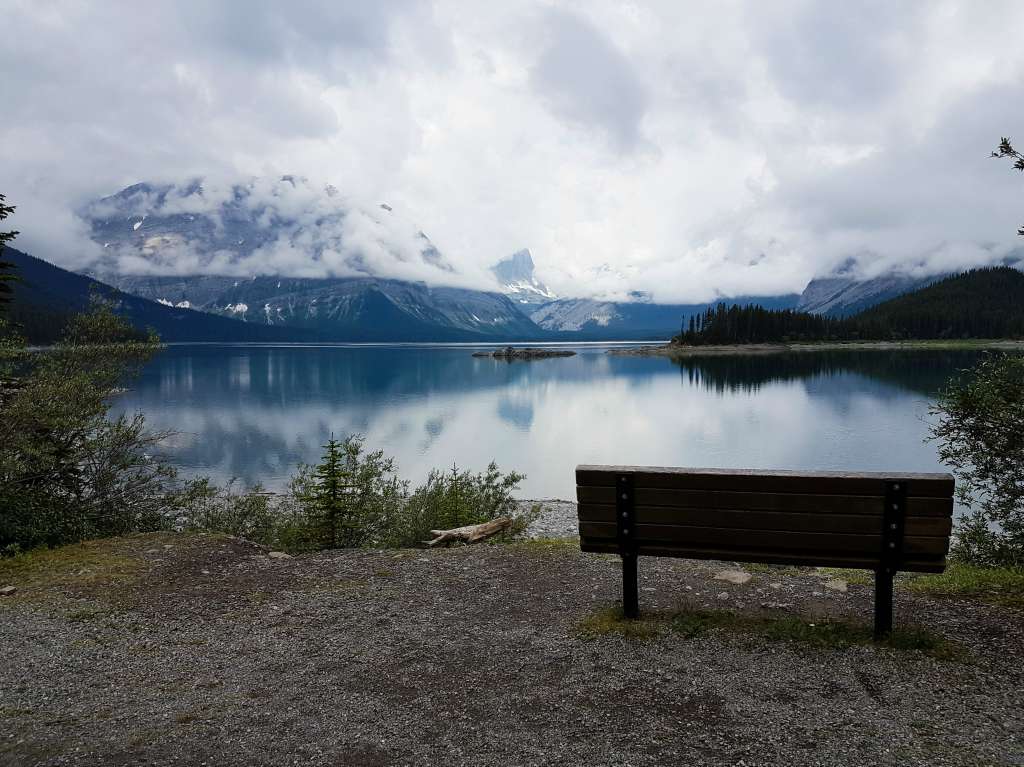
{"x": 353, "y": 498}
{"x": 979, "y": 428}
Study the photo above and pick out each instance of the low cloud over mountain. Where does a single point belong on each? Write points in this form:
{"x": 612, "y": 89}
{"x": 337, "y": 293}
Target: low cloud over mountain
{"x": 670, "y": 148}
{"x": 265, "y": 227}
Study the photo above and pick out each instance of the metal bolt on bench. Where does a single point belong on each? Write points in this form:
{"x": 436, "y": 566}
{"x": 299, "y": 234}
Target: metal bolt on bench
{"x": 871, "y": 521}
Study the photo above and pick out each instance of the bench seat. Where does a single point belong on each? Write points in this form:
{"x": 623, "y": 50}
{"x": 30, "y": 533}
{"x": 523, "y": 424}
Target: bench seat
{"x": 877, "y": 521}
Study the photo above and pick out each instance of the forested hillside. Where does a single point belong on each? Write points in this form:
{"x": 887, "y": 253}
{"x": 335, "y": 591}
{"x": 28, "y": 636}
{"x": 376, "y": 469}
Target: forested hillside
{"x": 981, "y": 303}
{"x": 45, "y": 296}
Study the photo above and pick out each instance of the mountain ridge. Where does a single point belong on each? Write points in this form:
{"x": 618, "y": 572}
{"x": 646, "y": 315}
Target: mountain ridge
{"x": 45, "y": 296}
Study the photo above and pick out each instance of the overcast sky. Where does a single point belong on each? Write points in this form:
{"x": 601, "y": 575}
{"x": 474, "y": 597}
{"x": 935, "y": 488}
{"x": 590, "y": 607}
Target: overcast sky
{"x": 671, "y": 147}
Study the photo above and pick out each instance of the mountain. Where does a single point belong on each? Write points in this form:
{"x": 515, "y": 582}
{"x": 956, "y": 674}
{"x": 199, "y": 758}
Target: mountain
{"x": 257, "y": 227}
{"x": 635, "y": 320}
{"x": 981, "y": 303}
{"x": 353, "y": 309}
{"x": 46, "y": 296}
{"x": 361, "y": 273}
{"x": 517, "y": 280}
{"x": 842, "y": 296}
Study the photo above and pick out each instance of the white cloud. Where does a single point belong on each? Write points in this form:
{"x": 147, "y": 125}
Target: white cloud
{"x": 675, "y": 148}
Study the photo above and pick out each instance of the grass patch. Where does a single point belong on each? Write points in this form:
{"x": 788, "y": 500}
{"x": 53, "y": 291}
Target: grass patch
{"x": 995, "y": 585}
{"x": 767, "y": 569}
{"x": 858, "y": 577}
{"x": 610, "y": 621}
{"x": 91, "y": 563}
{"x": 818, "y": 633}
{"x": 87, "y": 615}
{"x": 11, "y": 712}
{"x": 547, "y": 545}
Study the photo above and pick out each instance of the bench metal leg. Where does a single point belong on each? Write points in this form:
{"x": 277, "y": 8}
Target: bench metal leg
{"x": 630, "y": 597}
{"x": 883, "y": 602}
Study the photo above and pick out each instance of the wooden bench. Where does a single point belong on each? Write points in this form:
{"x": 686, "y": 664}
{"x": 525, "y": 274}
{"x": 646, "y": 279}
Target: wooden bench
{"x": 879, "y": 522}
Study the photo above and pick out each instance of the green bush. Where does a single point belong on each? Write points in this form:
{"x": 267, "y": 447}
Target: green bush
{"x": 67, "y": 472}
{"x": 454, "y": 499}
{"x": 351, "y": 497}
{"x": 980, "y": 430}
{"x": 248, "y": 514}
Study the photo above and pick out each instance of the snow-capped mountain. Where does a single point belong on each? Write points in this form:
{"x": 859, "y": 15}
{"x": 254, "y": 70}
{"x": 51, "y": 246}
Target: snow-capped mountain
{"x": 517, "y": 280}
{"x": 283, "y": 253}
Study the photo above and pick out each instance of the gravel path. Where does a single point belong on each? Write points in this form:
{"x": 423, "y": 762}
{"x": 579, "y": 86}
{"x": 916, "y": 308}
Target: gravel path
{"x": 203, "y": 650}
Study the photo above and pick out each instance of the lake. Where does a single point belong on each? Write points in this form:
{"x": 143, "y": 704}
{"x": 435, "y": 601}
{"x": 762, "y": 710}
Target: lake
{"x": 255, "y": 411}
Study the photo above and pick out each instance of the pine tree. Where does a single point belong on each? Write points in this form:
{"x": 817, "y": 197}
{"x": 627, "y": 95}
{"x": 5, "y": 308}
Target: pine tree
{"x": 6, "y": 267}
{"x": 332, "y": 480}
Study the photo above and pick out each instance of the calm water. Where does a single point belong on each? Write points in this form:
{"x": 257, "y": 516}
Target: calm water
{"x": 254, "y": 412}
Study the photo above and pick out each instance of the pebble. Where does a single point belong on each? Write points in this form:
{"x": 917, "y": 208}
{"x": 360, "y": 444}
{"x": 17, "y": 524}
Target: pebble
{"x": 7, "y": 590}
{"x": 837, "y": 584}
{"x": 279, "y": 555}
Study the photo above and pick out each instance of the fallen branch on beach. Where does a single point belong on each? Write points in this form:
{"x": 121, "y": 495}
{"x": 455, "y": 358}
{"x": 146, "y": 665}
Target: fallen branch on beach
{"x": 470, "y": 533}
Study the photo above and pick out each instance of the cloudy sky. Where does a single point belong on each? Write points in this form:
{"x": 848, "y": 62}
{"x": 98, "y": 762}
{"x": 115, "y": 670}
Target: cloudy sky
{"x": 678, "y": 148}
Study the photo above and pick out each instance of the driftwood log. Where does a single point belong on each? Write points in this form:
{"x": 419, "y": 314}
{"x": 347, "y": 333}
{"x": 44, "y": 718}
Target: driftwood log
{"x": 470, "y": 533}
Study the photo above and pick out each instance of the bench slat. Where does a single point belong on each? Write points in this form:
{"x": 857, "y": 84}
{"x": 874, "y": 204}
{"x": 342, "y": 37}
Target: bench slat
{"x": 825, "y": 483}
{"x": 811, "y": 521}
{"x": 868, "y": 545}
{"x": 810, "y": 559}
{"x": 756, "y": 501}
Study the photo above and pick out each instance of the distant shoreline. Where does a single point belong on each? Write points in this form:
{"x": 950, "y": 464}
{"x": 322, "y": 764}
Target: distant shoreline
{"x": 677, "y": 351}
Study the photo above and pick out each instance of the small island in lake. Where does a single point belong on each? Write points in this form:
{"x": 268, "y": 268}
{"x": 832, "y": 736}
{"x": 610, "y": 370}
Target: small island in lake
{"x": 511, "y": 353}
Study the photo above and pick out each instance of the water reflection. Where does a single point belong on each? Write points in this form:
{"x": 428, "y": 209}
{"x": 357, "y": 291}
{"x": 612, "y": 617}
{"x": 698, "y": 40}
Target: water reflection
{"x": 255, "y": 412}
{"x": 922, "y": 371}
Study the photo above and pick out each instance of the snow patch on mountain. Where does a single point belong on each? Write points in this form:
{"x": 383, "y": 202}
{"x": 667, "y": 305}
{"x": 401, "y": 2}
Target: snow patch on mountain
{"x": 515, "y": 275}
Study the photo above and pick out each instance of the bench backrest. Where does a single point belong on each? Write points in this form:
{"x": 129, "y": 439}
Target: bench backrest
{"x": 825, "y": 519}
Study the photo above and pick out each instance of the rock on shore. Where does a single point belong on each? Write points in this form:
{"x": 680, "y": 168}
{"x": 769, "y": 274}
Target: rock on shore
{"x": 511, "y": 353}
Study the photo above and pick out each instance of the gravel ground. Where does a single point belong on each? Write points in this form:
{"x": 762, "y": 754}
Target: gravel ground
{"x": 177, "y": 649}
{"x": 557, "y": 518}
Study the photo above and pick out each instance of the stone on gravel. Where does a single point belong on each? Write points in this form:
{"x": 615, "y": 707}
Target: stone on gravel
{"x": 724, "y": 595}
{"x": 836, "y": 584}
{"x": 739, "y": 577}
{"x": 278, "y": 555}
{"x": 7, "y": 590}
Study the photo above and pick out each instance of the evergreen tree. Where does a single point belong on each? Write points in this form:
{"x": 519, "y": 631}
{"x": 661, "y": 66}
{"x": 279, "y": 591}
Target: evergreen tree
{"x": 350, "y": 494}
{"x": 6, "y": 267}
{"x": 332, "y": 478}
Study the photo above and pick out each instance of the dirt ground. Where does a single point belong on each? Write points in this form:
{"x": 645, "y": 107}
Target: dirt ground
{"x": 173, "y": 649}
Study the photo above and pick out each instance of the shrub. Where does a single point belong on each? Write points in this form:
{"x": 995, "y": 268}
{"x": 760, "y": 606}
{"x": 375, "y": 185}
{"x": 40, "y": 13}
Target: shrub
{"x": 67, "y": 472}
{"x": 981, "y": 437}
{"x": 351, "y": 496}
{"x": 354, "y": 498}
{"x": 454, "y": 499}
